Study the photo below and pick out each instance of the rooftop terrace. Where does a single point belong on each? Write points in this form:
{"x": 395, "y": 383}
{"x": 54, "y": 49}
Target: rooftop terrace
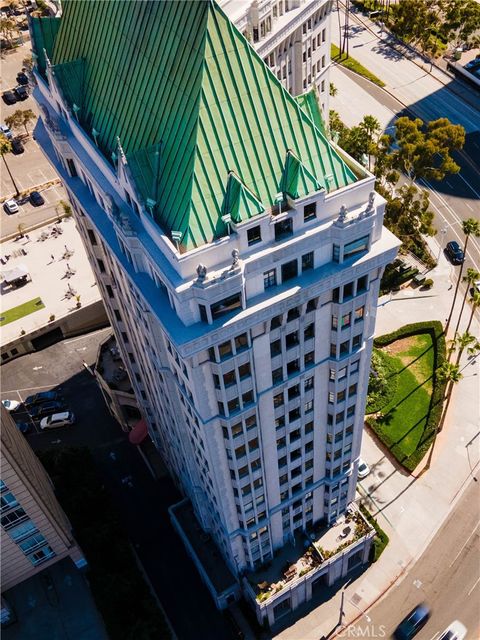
{"x": 110, "y": 366}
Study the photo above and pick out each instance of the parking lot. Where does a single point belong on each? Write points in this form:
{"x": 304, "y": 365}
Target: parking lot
{"x": 28, "y": 215}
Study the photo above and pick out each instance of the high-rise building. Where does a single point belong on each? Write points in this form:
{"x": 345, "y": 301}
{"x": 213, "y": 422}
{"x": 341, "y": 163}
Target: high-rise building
{"x": 35, "y": 531}
{"x": 292, "y": 37}
{"x": 239, "y": 253}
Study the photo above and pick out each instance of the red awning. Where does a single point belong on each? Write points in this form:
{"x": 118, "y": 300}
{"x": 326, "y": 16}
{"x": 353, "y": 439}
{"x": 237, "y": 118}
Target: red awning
{"x": 139, "y": 432}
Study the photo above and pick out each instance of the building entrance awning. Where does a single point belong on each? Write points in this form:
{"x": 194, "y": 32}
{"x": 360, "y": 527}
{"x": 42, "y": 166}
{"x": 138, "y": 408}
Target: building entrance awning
{"x": 139, "y": 432}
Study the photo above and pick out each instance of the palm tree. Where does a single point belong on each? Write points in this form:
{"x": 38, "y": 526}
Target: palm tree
{"x": 6, "y": 147}
{"x": 475, "y": 302}
{"x": 470, "y": 227}
{"x": 461, "y": 342}
{"x": 472, "y": 276}
{"x": 450, "y": 373}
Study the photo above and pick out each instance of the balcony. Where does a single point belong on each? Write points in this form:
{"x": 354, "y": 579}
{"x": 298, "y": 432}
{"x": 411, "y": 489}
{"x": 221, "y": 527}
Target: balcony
{"x": 111, "y": 368}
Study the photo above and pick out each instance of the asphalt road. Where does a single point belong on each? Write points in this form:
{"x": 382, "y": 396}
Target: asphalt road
{"x": 446, "y": 577}
{"x": 142, "y": 502}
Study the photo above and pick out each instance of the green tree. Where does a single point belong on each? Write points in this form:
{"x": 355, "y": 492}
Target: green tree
{"x": 6, "y": 147}
{"x": 475, "y": 302}
{"x": 472, "y": 276}
{"x": 20, "y": 118}
{"x": 333, "y": 90}
{"x": 424, "y": 152}
{"x": 465, "y": 341}
{"x": 408, "y": 214}
{"x": 7, "y": 28}
{"x": 470, "y": 227}
{"x": 63, "y": 209}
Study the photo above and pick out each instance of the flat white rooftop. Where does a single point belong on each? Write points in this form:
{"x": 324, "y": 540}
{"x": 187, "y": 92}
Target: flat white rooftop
{"x": 56, "y": 282}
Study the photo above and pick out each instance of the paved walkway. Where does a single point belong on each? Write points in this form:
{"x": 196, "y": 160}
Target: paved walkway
{"x": 410, "y": 508}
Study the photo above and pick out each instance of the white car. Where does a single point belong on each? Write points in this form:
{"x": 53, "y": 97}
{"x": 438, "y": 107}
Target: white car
{"x": 57, "y": 420}
{"x": 456, "y": 631}
{"x": 11, "y": 405}
{"x": 11, "y": 206}
{"x": 6, "y": 131}
{"x": 363, "y": 469}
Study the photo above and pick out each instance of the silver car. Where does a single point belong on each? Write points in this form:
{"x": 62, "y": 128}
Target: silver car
{"x": 57, "y": 420}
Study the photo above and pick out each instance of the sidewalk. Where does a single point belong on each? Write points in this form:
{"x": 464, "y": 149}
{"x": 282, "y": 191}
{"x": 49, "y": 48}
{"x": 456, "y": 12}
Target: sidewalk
{"x": 410, "y": 508}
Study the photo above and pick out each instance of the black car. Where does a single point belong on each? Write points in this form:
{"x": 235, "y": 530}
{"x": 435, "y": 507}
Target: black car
{"x": 21, "y": 92}
{"x": 411, "y": 625}
{"x": 36, "y": 199}
{"x": 9, "y": 97}
{"x": 47, "y": 408}
{"x": 24, "y": 427}
{"x": 454, "y": 253}
{"x": 22, "y": 78}
{"x": 43, "y": 396}
{"x": 17, "y": 146}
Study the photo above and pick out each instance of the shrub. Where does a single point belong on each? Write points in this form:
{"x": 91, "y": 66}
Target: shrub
{"x": 381, "y": 539}
{"x": 428, "y": 283}
{"x": 382, "y": 384}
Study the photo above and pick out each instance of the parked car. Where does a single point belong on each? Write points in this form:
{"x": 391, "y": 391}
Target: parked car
{"x": 47, "y": 408}
{"x": 454, "y": 253}
{"x": 411, "y": 625}
{"x": 11, "y": 405}
{"x": 363, "y": 469}
{"x": 9, "y": 97}
{"x": 22, "y": 78}
{"x": 6, "y": 131}
{"x": 456, "y": 631}
{"x": 21, "y": 92}
{"x": 36, "y": 199}
{"x": 10, "y": 206}
{"x": 58, "y": 420}
{"x": 17, "y": 146}
{"x": 43, "y": 396}
{"x": 475, "y": 288}
{"x": 24, "y": 427}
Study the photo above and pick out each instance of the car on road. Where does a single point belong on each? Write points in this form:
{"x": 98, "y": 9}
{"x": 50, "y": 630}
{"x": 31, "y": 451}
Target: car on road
{"x": 454, "y": 253}
{"x": 17, "y": 146}
{"x": 58, "y": 420}
{"x": 11, "y": 405}
{"x": 43, "y": 396}
{"x": 363, "y": 469}
{"x": 6, "y": 131}
{"x": 413, "y": 623}
{"x": 22, "y": 78}
{"x": 21, "y": 92}
{"x": 36, "y": 199}
{"x": 9, "y": 97}
{"x": 47, "y": 408}
{"x": 456, "y": 631}
{"x": 10, "y": 206}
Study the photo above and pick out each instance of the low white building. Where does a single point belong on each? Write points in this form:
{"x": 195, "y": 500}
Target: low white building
{"x": 239, "y": 254}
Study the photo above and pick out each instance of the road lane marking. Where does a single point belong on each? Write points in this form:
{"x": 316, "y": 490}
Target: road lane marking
{"x": 45, "y": 386}
{"x": 474, "y": 586}
{"x": 464, "y": 545}
{"x": 468, "y": 184}
{"x": 467, "y": 205}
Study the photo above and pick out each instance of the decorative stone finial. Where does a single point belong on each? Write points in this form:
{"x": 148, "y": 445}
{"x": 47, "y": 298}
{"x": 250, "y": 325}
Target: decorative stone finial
{"x": 201, "y": 272}
{"x": 343, "y": 213}
{"x": 235, "y": 256}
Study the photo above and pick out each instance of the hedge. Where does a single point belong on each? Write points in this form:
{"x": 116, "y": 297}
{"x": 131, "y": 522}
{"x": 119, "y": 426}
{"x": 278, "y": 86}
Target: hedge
{"x": 354, "y": 65}
{"x": 381, "y": 539}
{"x": 435, "y": 328}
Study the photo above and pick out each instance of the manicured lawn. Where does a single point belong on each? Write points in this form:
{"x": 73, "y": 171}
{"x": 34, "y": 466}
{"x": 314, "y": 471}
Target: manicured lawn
{"x": 401, "y": 423}
{"x": 354, "y": 65}
{"x": 22, "y": 310}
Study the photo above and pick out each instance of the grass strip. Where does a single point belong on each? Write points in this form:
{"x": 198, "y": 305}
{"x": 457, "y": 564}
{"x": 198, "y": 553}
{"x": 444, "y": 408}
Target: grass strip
{"x": 354, "y": 65}
{"x": 381, "y": 539}
{"x": 21, "y": 311}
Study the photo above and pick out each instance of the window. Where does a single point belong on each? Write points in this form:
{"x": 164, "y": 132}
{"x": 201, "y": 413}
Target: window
{"x": 240, "y": 451}
{"x": 278, "y": 400}
{"x": 362, "y": 284}
{"x": 91, "y": 237}
{"x": 309, "y": 331}
{"x": 247, "y": 397}
{"x": 311, "y": 305}
{"x": 293, "y": 366}
{"x": 226, "y": 305}
{"x": 324, "y": 35}
{"x": 348, "y": 291}
{"x": 241, "y": 342}
{"x": 275, "y": 322}
{"x": 294, "y": 392}
{"x": 291, "y": 339}
{"x": 229, "y": 378}
{"x": 279, "y": 422}
{"x": 244, "y": 370}
{"x": 352, "y": 390}
{"x": 270, "y": 278}
{"x": 221, "y": 408}
{"x": 225, "y": 349}
{"x": 309, "y": 359}
{"x": 307, "y": 261}
{"x": 8, "y": 501}
{"x": 275, "y": 348}
{"x": 281, "y": 442}
{"x": 293, "y": 314}
{"x": 336, "y": 253}
{"x": 308, "y": 406}
{"x": 13, "y": 517}
{"x": 32, "y": 542}
{"x": 101, "y": 265}
{"x": 357, "y": 341}
{"x": 341, "y": 396}
{"x": 336, "y": 294}
{"x": 254, "y": 235}
{"x": 356, "y": 247}
{"x": 309, "y": 211}
{"x": 237, "y": 430}
{"x": 72, "y": 169}
{"x": 344, "y": 348}
{"x": 354, "y": 366}
{"x": 334, "y": 322}
{"x": 233, "y": 405}
{"x": 346, "y": 318}
{"x": 323, "y": 62}
{"x": 289, "y": 270}
{"x": 359, "y": 314}
{"x": 294, "y": 414}
{"x": 351, "y": 411}
{"x": 277, "y": 375}
{"x": 203, "y": 312}
{"x": 253, "y": 446}
{"x": 309, "y": 383}
{"x": 39, "y": 556}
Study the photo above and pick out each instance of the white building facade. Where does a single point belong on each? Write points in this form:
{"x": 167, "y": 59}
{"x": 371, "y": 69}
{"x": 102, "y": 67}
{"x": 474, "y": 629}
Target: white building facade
{"x": 293, "y": 37}
{"x": 248, "y": 354}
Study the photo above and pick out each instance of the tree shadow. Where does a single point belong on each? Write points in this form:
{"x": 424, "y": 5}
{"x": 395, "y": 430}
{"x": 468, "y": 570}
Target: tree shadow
{"x": 409, "y": 364}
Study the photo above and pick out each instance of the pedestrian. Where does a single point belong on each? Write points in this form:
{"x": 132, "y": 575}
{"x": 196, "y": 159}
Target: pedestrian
{"x": 52, "y": 258}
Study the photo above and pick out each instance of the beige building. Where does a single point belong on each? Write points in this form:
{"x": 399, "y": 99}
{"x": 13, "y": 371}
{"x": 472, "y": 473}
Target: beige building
{"x": 35, "y": 531}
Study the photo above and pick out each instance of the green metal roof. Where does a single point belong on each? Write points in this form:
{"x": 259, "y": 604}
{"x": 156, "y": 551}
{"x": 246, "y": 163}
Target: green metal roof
{"x": 44, "y": 33}
{"x": 193, "y": 105}
{"x": 309, "y": 103}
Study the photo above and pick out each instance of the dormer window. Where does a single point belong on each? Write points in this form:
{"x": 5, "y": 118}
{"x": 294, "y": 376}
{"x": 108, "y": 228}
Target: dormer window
{"x": 254, "y": 235}
{"x": 309, "y": 211}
